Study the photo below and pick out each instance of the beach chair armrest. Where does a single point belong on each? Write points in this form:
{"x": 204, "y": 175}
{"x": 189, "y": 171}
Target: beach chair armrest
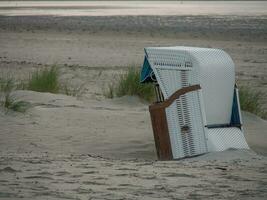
{"x": 174, "y": 96}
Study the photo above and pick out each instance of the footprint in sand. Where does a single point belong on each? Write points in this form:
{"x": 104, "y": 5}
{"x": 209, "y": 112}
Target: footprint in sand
{"x": 8, "y": 170}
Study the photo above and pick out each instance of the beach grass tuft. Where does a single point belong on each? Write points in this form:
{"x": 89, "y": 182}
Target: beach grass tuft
{"x": 6, "y": 100}
{"x": 10, "y": 103}
{"x": 250, "y": 101}
{"x": 47, "y": 80}
{"x": 129, "y": 84}
{"x": 44, "y": 80}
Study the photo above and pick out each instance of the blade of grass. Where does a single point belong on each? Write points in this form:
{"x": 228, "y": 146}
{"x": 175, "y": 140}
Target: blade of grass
{"x": 45, "y": 80}
{"x": 250, "y": 101}
{"x": 129, "y": 84}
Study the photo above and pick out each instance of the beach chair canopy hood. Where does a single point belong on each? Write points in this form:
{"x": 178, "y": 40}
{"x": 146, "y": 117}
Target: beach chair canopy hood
{"x": 213, "y": 69}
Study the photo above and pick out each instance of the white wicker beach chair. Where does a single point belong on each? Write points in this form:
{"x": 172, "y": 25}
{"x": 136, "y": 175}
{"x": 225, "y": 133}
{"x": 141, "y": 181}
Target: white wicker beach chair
{"x": 206, "y": 119}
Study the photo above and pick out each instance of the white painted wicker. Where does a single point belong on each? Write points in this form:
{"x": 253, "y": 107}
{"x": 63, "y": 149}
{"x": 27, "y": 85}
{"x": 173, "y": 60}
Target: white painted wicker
{"x": 220, "y": 139}
{"x": 213, "y": 69}
{"x": 186, "y": 112}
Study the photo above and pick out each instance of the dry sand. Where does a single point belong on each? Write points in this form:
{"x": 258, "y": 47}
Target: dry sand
{"x": 86, "y": 177}
{"x": 64, "y": 148}
{"x": 91, "y": 147}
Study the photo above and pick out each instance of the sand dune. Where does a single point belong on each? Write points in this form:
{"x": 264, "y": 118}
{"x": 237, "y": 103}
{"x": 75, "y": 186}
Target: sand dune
{"x": 72, "y": 149}
{"x": 58, "y": 124}
{"x": 119, "y": 128}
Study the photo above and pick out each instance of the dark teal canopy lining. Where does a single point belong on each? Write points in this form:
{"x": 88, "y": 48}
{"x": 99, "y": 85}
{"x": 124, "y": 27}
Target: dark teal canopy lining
{"x": 146, "y": 72}
{"x": 235, "y": 118}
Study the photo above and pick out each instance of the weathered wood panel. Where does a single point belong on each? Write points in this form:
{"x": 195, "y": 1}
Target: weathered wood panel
{"x": 161, "y": 132}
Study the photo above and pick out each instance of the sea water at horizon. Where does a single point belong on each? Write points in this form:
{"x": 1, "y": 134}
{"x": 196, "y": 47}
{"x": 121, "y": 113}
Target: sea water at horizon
{"x": 112, "y": 8}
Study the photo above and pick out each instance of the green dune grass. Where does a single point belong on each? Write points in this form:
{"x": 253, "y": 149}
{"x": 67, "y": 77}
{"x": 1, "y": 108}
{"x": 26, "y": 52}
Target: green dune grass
{"x": 129, "y": 84}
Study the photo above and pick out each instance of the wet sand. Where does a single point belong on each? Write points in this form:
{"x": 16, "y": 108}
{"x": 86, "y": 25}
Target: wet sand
{"x": 132, "y": 8}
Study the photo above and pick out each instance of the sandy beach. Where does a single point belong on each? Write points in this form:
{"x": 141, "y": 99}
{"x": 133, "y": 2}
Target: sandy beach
{"x": 91, "y": 147}
{"x": 119, "y": 41}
